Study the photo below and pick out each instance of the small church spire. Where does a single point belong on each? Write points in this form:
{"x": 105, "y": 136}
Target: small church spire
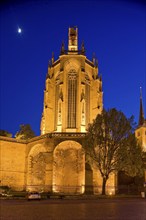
{"x": 52, "y": 57}
{"x": 93, "y": 58}
{"x": 62, "y": 48}
{"x": 141, "y": 112}
{"x": 83, "y": 48}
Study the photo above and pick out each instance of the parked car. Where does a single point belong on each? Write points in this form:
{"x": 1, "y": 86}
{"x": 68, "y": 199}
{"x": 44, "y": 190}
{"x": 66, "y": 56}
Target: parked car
{"x": 33, "y": 196}
{"x": 5, "y": 191}
{"x": 5, "y": 195}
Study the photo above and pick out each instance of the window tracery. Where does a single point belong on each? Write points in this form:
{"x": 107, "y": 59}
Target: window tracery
{"x": 72, "y": 98}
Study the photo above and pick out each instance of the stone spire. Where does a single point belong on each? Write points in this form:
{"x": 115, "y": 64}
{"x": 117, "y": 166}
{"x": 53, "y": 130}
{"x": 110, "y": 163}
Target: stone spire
{"x": 62, "y": 48}
{"x": 141, "y": 112}
{"x": 83, "y": 48}
{"x": 52, "y": 57}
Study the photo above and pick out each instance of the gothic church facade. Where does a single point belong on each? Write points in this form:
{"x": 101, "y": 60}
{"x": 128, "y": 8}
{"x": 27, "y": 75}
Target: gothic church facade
{"x": 55, "y": 161}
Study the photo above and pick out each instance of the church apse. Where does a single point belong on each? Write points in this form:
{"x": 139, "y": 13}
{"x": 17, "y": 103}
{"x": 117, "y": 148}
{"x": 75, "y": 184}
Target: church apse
{"x": 73, "y": 90}
{"x": 73, "y": 98}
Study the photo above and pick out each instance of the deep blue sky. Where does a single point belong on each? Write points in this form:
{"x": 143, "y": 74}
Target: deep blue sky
{"x": 114, "y": 30}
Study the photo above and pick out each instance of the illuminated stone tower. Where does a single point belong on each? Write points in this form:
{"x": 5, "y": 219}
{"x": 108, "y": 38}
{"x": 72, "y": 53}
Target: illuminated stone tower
{"x": 140, "y": 132}
{"x": 55, "y": 161}
{"x": 73, "y": 93}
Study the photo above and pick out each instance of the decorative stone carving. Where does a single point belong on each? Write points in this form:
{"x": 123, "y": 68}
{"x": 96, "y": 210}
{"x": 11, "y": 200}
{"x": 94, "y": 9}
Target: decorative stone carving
{"x": 61, "y": 95}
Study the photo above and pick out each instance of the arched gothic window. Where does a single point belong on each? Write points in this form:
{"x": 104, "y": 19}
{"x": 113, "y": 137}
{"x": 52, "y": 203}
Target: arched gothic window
{"x": 72, "y": 98}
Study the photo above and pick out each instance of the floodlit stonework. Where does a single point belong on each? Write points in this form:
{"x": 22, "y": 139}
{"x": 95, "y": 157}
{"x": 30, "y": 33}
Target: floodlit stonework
{"x": 69, "y": 168}
{"x": 73, "y": 93}
{"x": 55, "y": 160}
{"x": 140, "y": 132}
{"x": 12, "y": 163}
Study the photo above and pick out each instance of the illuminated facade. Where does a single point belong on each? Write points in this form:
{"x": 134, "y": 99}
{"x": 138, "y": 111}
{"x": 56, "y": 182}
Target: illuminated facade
{"x": 140, "y": 132}
{"x": 55, "y": 161}
{"x": 73, "y": 93}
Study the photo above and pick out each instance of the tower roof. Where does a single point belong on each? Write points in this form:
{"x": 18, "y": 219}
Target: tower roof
{"x": 141, "y": 112}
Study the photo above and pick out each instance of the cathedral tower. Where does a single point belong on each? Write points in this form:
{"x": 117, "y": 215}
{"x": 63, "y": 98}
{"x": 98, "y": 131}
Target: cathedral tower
{"x": 56, "y": 162}
{"x": 73, "y": 93}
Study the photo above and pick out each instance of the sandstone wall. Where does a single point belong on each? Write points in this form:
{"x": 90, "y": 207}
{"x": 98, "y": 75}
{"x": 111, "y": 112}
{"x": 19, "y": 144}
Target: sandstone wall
{"x": 12, "y": 163}
{"x": 35, "y": 165}
{"x": 39, "y": 164}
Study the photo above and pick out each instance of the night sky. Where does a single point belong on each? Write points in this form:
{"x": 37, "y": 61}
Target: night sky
{"x": 114, "y": 30}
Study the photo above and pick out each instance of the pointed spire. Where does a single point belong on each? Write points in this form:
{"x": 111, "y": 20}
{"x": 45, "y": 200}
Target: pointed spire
{"x": 82, "y": 48}
{"x": 62, "y": 48}
{"x": 100, "y": 77}
{"x": 141, "y": 112}
{"x": 93, "y": 58}
{"x": 50, "y": 63}
{"x": 52, "y": 57}
{"x": 96, "y": 62}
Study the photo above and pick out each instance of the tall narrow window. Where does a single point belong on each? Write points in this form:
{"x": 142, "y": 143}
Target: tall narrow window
{"x": 56, "y": 105}
{"x": 72, "y": 99}
{"x": 87, "y": 95}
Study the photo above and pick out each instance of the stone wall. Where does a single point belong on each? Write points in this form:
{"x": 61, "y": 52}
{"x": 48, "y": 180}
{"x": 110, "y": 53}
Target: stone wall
{"x": 51, "y": 163}
{"x": 12, "y": 163}
{"x": 40, "y": 164}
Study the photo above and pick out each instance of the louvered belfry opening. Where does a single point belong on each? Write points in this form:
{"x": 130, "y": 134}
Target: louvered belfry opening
{"x": 72, "y": 99}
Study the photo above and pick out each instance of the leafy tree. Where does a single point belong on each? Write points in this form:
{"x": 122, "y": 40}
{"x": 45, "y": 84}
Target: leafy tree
{"x": 5, "y": 133}
{"x": 25, "y": 132}
{"x": 112, "y": 146}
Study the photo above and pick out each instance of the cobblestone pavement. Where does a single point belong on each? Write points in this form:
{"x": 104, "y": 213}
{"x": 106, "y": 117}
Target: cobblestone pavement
{"x": 100, "y": 209}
